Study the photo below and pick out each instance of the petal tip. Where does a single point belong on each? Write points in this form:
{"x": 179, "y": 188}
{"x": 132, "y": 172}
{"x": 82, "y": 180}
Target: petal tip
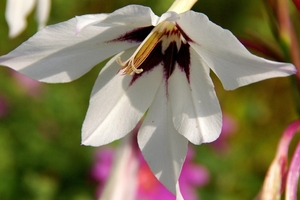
{"x": 87, "y": 142}
{"x": 289, "y": 68}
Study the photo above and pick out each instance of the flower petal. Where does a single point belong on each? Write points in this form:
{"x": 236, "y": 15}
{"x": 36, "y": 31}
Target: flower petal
{"x": 42, "y": 12}
{"x": 56, "y": 54}
{"x": 87, "y": 20}
{"x": 162, "y": 146}
{"x": 195, "y": 107}
{"x": 125, "y": 16}
{"x": 128, "y": 16}
{"x": 168, "y": 16}
{"x": 116, "y": 105}
{"x": 16, "y": 14}
{"x": 226, "y": 56}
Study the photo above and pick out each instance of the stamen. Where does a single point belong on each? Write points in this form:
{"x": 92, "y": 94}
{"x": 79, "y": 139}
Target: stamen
{"x": 165, "y": 32}
{"x": 129, "y": 66}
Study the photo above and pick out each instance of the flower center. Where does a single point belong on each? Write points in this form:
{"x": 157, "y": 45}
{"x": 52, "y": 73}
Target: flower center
{"x": 166, "y": 33}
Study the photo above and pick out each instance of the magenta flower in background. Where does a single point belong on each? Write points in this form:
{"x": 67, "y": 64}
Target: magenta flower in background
{"x": 229, "y": 127}
{"x": 192, "y": 177}
{"x": 29, "y": 85}
{"x": 100, "y": 172}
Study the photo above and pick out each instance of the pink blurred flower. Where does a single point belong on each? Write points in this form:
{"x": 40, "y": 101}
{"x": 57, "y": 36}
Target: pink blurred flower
{"x": 102, "y": 167}
{"x": 30, "y": 86}
{"x": 280, "y": 176}
{"x": 293, "y": 176}
{"x": 229, "y": 127}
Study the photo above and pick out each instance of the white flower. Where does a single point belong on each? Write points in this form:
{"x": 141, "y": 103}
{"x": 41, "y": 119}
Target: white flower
{"x": 169, "y": 57}
{"x": 18, "y": 10}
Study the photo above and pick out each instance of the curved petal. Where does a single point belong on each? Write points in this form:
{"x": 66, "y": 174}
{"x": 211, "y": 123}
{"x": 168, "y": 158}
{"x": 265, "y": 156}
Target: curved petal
{"x": 16, "y": 13}
{"x": 87, "y": 20}
{"x": 168, "y": 16}
{"x": 162, "y": 146}
{"x": 116, "y": 106}
{"x": 128, "y": 16}
{"x": 195, "y": 107}
{"x": 57, "y": 54}
{"x": 42, "y": 12}
{"x": 226, "y": 56}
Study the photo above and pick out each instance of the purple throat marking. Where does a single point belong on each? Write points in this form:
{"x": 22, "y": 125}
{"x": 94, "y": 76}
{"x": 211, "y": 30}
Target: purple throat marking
{"x": 136, "y": 35}
{"x": 168, "y": 60}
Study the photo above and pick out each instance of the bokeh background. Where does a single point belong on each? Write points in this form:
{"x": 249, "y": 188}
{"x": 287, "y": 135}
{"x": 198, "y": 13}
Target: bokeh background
{"x": 40, "y": 153}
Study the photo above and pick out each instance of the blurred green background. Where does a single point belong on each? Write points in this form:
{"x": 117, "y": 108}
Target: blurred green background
{"x": 40, "y": 153}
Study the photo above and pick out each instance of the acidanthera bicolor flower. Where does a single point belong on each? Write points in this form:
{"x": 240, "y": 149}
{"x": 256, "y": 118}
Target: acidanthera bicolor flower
{"x": 17, "y": 11}
{"x": 160, "y": 71}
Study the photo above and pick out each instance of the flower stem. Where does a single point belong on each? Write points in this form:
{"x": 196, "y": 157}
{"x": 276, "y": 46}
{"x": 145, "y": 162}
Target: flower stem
{"x": 288, "y": 35}
{"x": 290, "y": 45}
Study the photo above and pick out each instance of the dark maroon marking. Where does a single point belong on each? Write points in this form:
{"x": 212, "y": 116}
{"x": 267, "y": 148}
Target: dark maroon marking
{"x": 184, "y": 59}
{"x": 184, "y": 35}
{"x": 168, "y": 60}
{"x": 154, "y": 59}
{"x": 136, "y": 35}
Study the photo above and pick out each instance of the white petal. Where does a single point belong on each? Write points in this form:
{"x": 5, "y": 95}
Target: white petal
{"x": 168, "y": 16}
{"x": 57, "y": 54}
{"x": 16, "y": 14}
{"x": 195, "y": 107}
{"x": 87, "y": 20}
{"x": 226, "y": 56}
{"x": 162, "y": 146}
{"x": 115, "y": 107}
{"x": 132, "y": 15}
{"x": 42, "y": 12}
